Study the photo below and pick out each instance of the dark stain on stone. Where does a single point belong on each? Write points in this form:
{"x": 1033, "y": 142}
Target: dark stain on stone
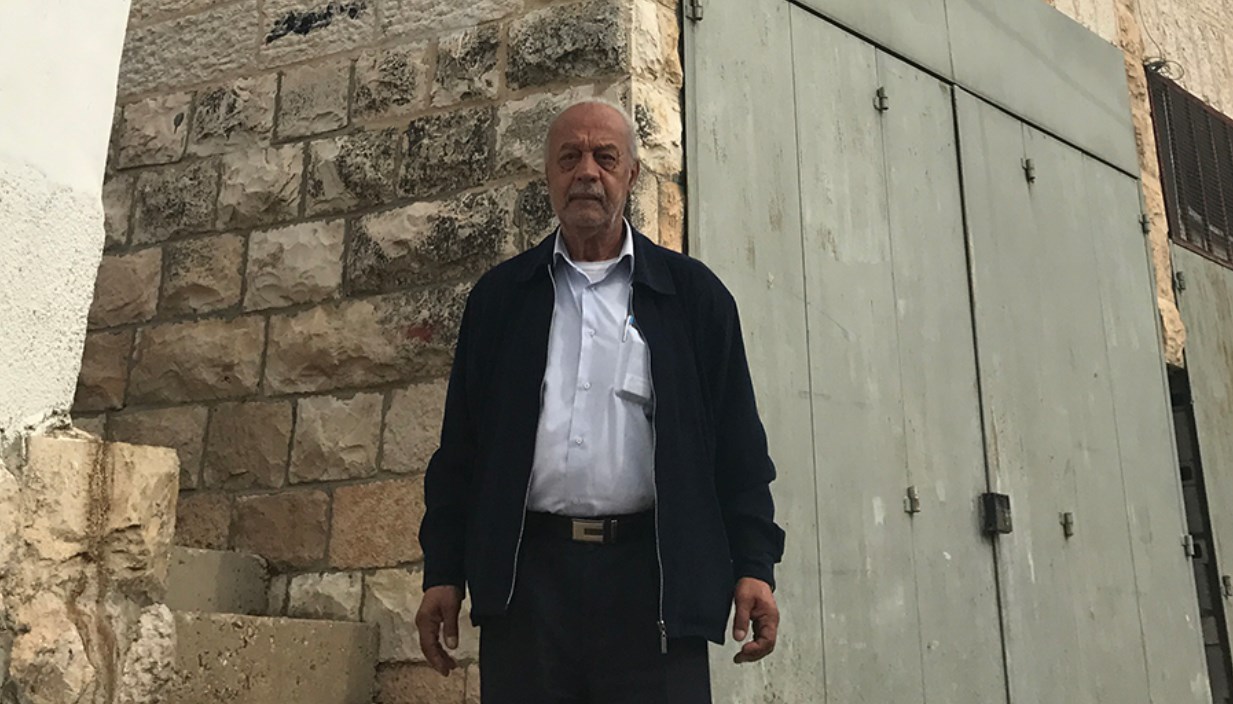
{"x": 179, "y": 119}
{"x": 304, "y": 21}
{"x": 423, "y": 333}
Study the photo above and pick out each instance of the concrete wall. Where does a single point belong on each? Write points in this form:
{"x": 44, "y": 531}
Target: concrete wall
{"x": 56, "y": 106}
{"x": 1194, "y": 37}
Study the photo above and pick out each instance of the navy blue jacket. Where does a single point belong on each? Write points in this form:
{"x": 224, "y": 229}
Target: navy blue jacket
{"x": 712, "y": 471}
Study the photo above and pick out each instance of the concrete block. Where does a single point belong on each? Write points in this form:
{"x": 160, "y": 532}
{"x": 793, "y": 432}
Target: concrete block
{"x": 217, "y": 581}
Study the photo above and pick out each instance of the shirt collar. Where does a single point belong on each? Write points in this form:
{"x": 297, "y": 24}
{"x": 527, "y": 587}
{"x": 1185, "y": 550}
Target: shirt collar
{"x": 561, "y": 252}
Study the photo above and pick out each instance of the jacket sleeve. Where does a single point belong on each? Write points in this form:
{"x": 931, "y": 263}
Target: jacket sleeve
{"x": 744, "y": 469}
{"x": 444, "y": 526}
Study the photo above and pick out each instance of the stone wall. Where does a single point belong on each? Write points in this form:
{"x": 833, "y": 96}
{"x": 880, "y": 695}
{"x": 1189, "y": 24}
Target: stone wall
{"x": 299, "y": 197}
{"x": 1194, "y": 36}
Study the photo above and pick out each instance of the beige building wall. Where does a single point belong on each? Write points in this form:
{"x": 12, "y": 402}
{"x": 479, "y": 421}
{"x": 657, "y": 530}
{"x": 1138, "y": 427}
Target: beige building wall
{"x": 1195, "y": 38}
{"x": 56, "y": 100}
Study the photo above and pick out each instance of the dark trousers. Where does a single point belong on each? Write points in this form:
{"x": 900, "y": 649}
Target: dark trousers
{"x": 583, "y": 629}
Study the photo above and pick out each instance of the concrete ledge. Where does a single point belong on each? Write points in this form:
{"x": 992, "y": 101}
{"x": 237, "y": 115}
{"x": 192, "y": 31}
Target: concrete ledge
{"x": 217, "y": 581}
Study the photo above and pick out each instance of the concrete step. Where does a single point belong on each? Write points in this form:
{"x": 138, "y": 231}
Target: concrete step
{"x": 257, "y": 660}
{"x": 217, "y": 581}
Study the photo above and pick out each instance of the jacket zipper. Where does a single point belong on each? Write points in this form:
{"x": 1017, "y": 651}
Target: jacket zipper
{"x": 526, "y": 499}
{"x": 659, "y": 556}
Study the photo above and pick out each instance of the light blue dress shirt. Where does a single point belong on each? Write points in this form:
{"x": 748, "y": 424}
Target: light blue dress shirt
{"x": 594, "y": 446}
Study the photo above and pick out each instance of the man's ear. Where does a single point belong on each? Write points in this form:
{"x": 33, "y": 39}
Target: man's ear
{"x": 633, "y": 174}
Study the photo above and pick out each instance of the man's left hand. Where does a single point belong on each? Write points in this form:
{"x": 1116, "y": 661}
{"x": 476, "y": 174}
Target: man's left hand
{"x": 754, "y": 600}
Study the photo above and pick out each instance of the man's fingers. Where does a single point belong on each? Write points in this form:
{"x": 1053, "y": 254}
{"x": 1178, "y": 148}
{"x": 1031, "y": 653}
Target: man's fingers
{"x": 740, "y": 623}
{"x": 428, "y": 624}
{"x": 764, "y": 642}
{"x": 451, "y": 626}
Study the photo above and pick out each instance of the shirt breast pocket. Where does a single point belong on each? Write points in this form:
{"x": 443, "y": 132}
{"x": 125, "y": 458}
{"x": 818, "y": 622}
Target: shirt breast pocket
{"x": 633, "y": 377}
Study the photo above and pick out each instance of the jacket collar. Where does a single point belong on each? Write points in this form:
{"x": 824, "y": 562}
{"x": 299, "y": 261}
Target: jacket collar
{"x": 650, "y": 268}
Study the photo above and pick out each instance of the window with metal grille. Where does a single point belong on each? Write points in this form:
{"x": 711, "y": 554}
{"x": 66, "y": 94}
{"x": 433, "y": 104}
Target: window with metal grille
{"x": 1195, "y": 143}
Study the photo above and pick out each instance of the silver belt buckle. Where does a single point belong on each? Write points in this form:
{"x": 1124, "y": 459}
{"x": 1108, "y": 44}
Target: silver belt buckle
{"x": 588, "y": 531}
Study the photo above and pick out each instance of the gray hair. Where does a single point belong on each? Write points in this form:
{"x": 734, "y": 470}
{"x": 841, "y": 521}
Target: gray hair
{"x": 631, "y": 127}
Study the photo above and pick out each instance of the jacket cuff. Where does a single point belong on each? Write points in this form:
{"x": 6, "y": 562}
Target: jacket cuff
{"x": 442, "y": 579}
{"x": 756, "y": 570}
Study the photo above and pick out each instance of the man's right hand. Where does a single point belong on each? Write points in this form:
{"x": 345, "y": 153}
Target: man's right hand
{"x": 437, "y": 617}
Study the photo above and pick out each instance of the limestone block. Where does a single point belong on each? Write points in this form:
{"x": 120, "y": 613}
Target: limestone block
{"x": 117, "y": 208}
{"x": 181, "y": 428}
{"x": 351, "y": 171}
{"x": 467, "y": 66}
{"x": 289, "y": 529}
{"x": 260, "y": 186}
{"x": 533, "y": 214}
{"x": 293, "y": 30}
{"x": 140, "y": 517}
{"x": 235, "y": 115}
{"x": 144, "y": 11}
{"x": 192, "y": 49}
{"x": 326, "y": 596}
{"x": 522, "y": 128}
{"x": 473, "y": 684}
{"x": 174, "y": 200}
{"x": 126, "y": 289}
{"x": 104, "y": 371}
{"x": 671, "y": 215}
{"x": 391, "y": 81}
{"x": 377, "y": 524}
{"x": 643, "y": 206}
{"x": 94, "y": 425}
{"x": 432, "y": 241}
{"x": 413, "y": 18}
{"x": 280, "y": 586}
{"x": 413, "y": 427}
{"x": 448, "y": 152}
{"x": 313, "y": 99}
{"x": 197, "y": 361}
{"x": 418, "y": 684}
{"x": 203, "y": 520}
{"x": 657, "y": 113}
{"x": 148, "y": 669}
{"x": 579, "y": 40}
{"x": 366, "y": 342}
{"x": 51, "y": 655}
{"x": 391, "y": 598}
{"x": 203, "y": 275}
{"x": 248, "y": 445}
{"x": 154, "y": 131}
{"x": 336, "y": 438}
{"x": 654, "y": 47}
{"x": 9, "y": 523}
{"x": 295, "y": 264}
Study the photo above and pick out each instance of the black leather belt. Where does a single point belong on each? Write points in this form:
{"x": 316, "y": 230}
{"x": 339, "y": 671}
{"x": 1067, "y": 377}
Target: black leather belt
{"x": 604, "y": 530}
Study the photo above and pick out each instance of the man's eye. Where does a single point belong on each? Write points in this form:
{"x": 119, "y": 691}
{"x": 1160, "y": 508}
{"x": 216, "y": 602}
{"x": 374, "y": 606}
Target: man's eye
{"x": 569, "y": 160}
{"x": 606, "y": 160}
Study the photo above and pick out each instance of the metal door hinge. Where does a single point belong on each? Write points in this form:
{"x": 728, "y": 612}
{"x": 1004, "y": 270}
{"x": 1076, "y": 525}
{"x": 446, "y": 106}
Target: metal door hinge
{"x": 995, "y": 516}
{"x": 1189, "y": 546}
{"x": 1145, "y": 223}
{"x": 1226, "y": 585}
{"x": 1068, "y": 524}
{"x": 911, "y": 502}
{"x": 881, "y": 100}
{"x": 1179, "y": 280}
{"x": 693, "y": 10}
{"x": 1029, "y": 170}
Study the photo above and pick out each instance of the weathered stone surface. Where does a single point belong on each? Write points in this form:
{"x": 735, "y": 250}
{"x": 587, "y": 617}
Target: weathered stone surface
{"x": 314, "y": 99}
{"x": 327, "y": 596}
{"x": 467, "y": 66}
{"x": 671, "y": 215}
{"x": 412, "y": 18}
{"x": 126, "y": 290}
{"x": 292, "y": 30}
{"x": 351, "y": 171}
{"x": 377, "y": 524}
{"x": 533, "y": 214}
{"x": 117, "y": 208}
{"x": 573, "y": 41}
{"x": 658, "y": 117}
{"x": 280, "y": 586}
{"x": 104, "y": 371}
{"x": 10, "y": 505}
{"x": 295, "y": 264}
{"x": 473, "y": 684}
{"x": 190, "y": 49}
{"x": 391, "y": 598}
{"x": 143, "y": 11}
{"x": 522, "y": 127}
{"x": 260, "y": 186}
{"x": 51, "y": 655}
{"x": 364, "y": 342}
{"x": 203, "y": 520}
{"x": 203, "y": 275}
{"x": 448, "y": 152}
{"x": 147, "y": 670}
{"x": 195, "y": 361}
{"x": 418, "y": 684}
{"x": 235, "y": 115}
{"x": 155, "y": 130}
{"x": 654, "y": 46}
{"x": 336, "y": 438}
{"x": 248, "y": 445}
{"x": 174, "y": 200}
{"x": 391, "y": 81}
{"x": 413, "y": 427}
{"x": 95, "y": 425}
{"x": 181, "y": 428}
{"x": 288, "y": 529}
{"x": 643, "y": 206}
{"x": 432, "y": 241}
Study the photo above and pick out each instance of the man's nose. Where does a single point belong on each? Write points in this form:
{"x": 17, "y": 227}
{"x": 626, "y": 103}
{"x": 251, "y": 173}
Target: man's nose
{"x": 588, "y": 169}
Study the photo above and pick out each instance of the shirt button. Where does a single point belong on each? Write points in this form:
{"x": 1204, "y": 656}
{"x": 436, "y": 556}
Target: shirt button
{"x": 587, "y": 386}
{"x": 591, "y": 333}
{"x": 577, "y": 441}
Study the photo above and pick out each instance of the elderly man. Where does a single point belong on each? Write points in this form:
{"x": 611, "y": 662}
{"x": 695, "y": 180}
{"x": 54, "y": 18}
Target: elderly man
{"x": 602, "y": 484}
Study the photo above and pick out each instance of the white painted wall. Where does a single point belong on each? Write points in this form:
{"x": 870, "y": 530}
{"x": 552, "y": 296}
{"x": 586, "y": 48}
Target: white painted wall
{"x": 57, "y": 96}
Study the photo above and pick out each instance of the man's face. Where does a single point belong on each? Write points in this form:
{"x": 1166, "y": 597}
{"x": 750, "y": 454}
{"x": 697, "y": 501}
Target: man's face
{"x": 589, "y": 167}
